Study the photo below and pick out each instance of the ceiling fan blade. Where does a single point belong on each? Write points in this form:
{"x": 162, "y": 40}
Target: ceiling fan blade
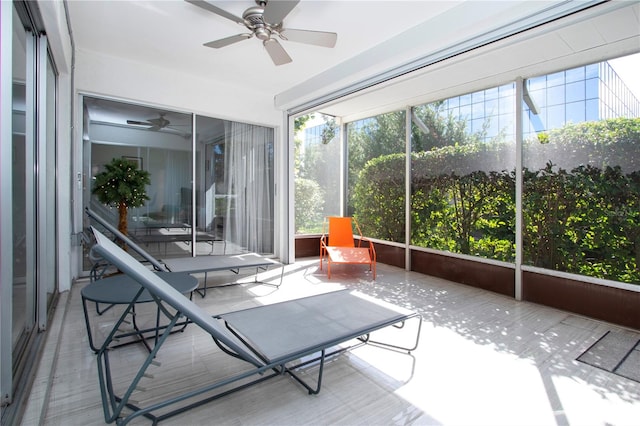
{"x": 139, "y": 123}
{"x": 318, "y": 38}
{"x": 217, "y": 44}
{"x": 215, "y": 9}
{"x": 278, "y": 55}
{"x": 276, "y": 10}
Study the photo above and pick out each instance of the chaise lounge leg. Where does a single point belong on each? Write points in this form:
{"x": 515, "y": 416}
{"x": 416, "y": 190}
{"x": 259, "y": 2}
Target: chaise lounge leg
{"x": 311, "y": 390}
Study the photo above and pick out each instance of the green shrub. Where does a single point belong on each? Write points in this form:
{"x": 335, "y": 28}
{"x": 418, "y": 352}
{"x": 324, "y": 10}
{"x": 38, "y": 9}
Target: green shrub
{"x": 581, "y": 215}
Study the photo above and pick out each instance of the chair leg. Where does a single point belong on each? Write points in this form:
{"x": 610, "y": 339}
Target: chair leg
{"x": 323, "y": 254}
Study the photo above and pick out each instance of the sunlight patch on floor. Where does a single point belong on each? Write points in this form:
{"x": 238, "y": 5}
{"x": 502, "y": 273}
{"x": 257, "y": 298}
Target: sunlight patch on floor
{"x": 467, "y": 381}
{"x": 575, "y": 394}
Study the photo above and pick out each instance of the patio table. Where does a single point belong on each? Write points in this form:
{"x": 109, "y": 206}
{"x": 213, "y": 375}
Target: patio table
{"x": 121, "y": 290}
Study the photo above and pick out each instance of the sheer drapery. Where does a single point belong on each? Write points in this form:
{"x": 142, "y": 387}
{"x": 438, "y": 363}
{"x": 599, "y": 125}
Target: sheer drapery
{"x": 249, "y": 181}
{"x": 177, "y": 191}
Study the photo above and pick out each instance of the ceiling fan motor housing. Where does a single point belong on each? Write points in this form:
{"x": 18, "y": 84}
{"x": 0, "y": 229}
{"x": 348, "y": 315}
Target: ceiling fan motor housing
{"x": 253, "y": 20}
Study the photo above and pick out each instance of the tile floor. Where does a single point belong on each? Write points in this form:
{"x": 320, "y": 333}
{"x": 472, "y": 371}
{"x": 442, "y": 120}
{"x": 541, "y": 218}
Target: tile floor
{"x": 483, "y": 359}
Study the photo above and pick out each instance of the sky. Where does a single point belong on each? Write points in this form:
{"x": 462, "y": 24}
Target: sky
{"x": 628, "y": 69}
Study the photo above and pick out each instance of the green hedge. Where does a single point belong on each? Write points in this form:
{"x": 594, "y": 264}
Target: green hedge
{"x": 582, "y": 219}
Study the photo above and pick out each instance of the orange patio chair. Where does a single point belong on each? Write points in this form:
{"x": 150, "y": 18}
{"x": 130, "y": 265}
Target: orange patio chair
{"x": 339, "y": 246}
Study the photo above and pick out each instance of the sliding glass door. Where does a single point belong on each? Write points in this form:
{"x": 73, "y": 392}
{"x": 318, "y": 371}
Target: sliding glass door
{"x": 28, "y": 226}
{"x": 211, "y": 194}
{"x": 235, "y": 185}
{"x": 23, "y": 187}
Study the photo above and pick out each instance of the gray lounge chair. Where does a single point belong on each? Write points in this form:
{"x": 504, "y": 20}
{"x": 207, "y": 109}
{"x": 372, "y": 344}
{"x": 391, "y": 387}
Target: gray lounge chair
{"x": 198, "y": 264}
{"x": 272, "y": 340}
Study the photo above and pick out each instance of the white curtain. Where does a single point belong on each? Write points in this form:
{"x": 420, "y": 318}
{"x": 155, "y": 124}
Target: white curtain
{"x": 177, "y": 190}
{"x": 249, "y": 181}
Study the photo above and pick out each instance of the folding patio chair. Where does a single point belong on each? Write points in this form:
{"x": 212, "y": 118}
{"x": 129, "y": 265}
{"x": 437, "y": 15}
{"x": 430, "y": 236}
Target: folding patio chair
{"x": 339, "y": 246}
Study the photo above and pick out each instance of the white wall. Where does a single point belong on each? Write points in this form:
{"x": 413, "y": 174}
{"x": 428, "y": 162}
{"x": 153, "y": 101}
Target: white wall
{"x": 143, "y": 83}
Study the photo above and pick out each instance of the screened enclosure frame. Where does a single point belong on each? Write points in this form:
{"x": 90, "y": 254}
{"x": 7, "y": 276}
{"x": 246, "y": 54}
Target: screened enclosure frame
{"x": 522, "y": 99}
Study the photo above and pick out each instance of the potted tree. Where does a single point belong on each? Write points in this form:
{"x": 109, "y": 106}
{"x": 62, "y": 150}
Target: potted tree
{"x": 122, "y": 185}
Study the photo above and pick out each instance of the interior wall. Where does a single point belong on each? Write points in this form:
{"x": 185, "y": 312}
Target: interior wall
{"x": 113, "y": 77}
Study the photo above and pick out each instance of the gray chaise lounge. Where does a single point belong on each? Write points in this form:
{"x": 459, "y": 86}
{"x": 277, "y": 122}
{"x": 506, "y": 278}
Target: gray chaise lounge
{"x": 198, "y": 264}
{"x": 272, "y": 340}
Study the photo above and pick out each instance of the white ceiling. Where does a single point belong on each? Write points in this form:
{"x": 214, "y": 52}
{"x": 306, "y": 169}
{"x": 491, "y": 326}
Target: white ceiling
{"x": 171, "y": 34}
{"x": 373, "y": 37}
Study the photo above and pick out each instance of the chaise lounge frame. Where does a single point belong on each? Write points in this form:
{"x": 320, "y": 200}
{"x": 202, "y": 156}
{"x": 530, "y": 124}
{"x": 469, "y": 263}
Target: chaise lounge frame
{"x": 234, "y": 335}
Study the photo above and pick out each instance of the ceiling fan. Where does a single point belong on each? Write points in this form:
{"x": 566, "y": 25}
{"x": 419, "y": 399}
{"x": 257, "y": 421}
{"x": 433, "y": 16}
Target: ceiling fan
{"x": 264, "y": 21}
{"x": 161, "y": 123}
{"x": 153, "y": 123}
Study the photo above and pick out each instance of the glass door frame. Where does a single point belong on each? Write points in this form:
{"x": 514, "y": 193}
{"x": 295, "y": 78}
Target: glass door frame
{"x": 18, "y": 355}
{"x": 6, "y": 215}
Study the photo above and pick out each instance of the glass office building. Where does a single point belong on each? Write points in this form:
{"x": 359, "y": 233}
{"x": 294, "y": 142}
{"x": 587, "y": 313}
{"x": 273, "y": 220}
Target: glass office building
{"x": 587, "y": 93}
